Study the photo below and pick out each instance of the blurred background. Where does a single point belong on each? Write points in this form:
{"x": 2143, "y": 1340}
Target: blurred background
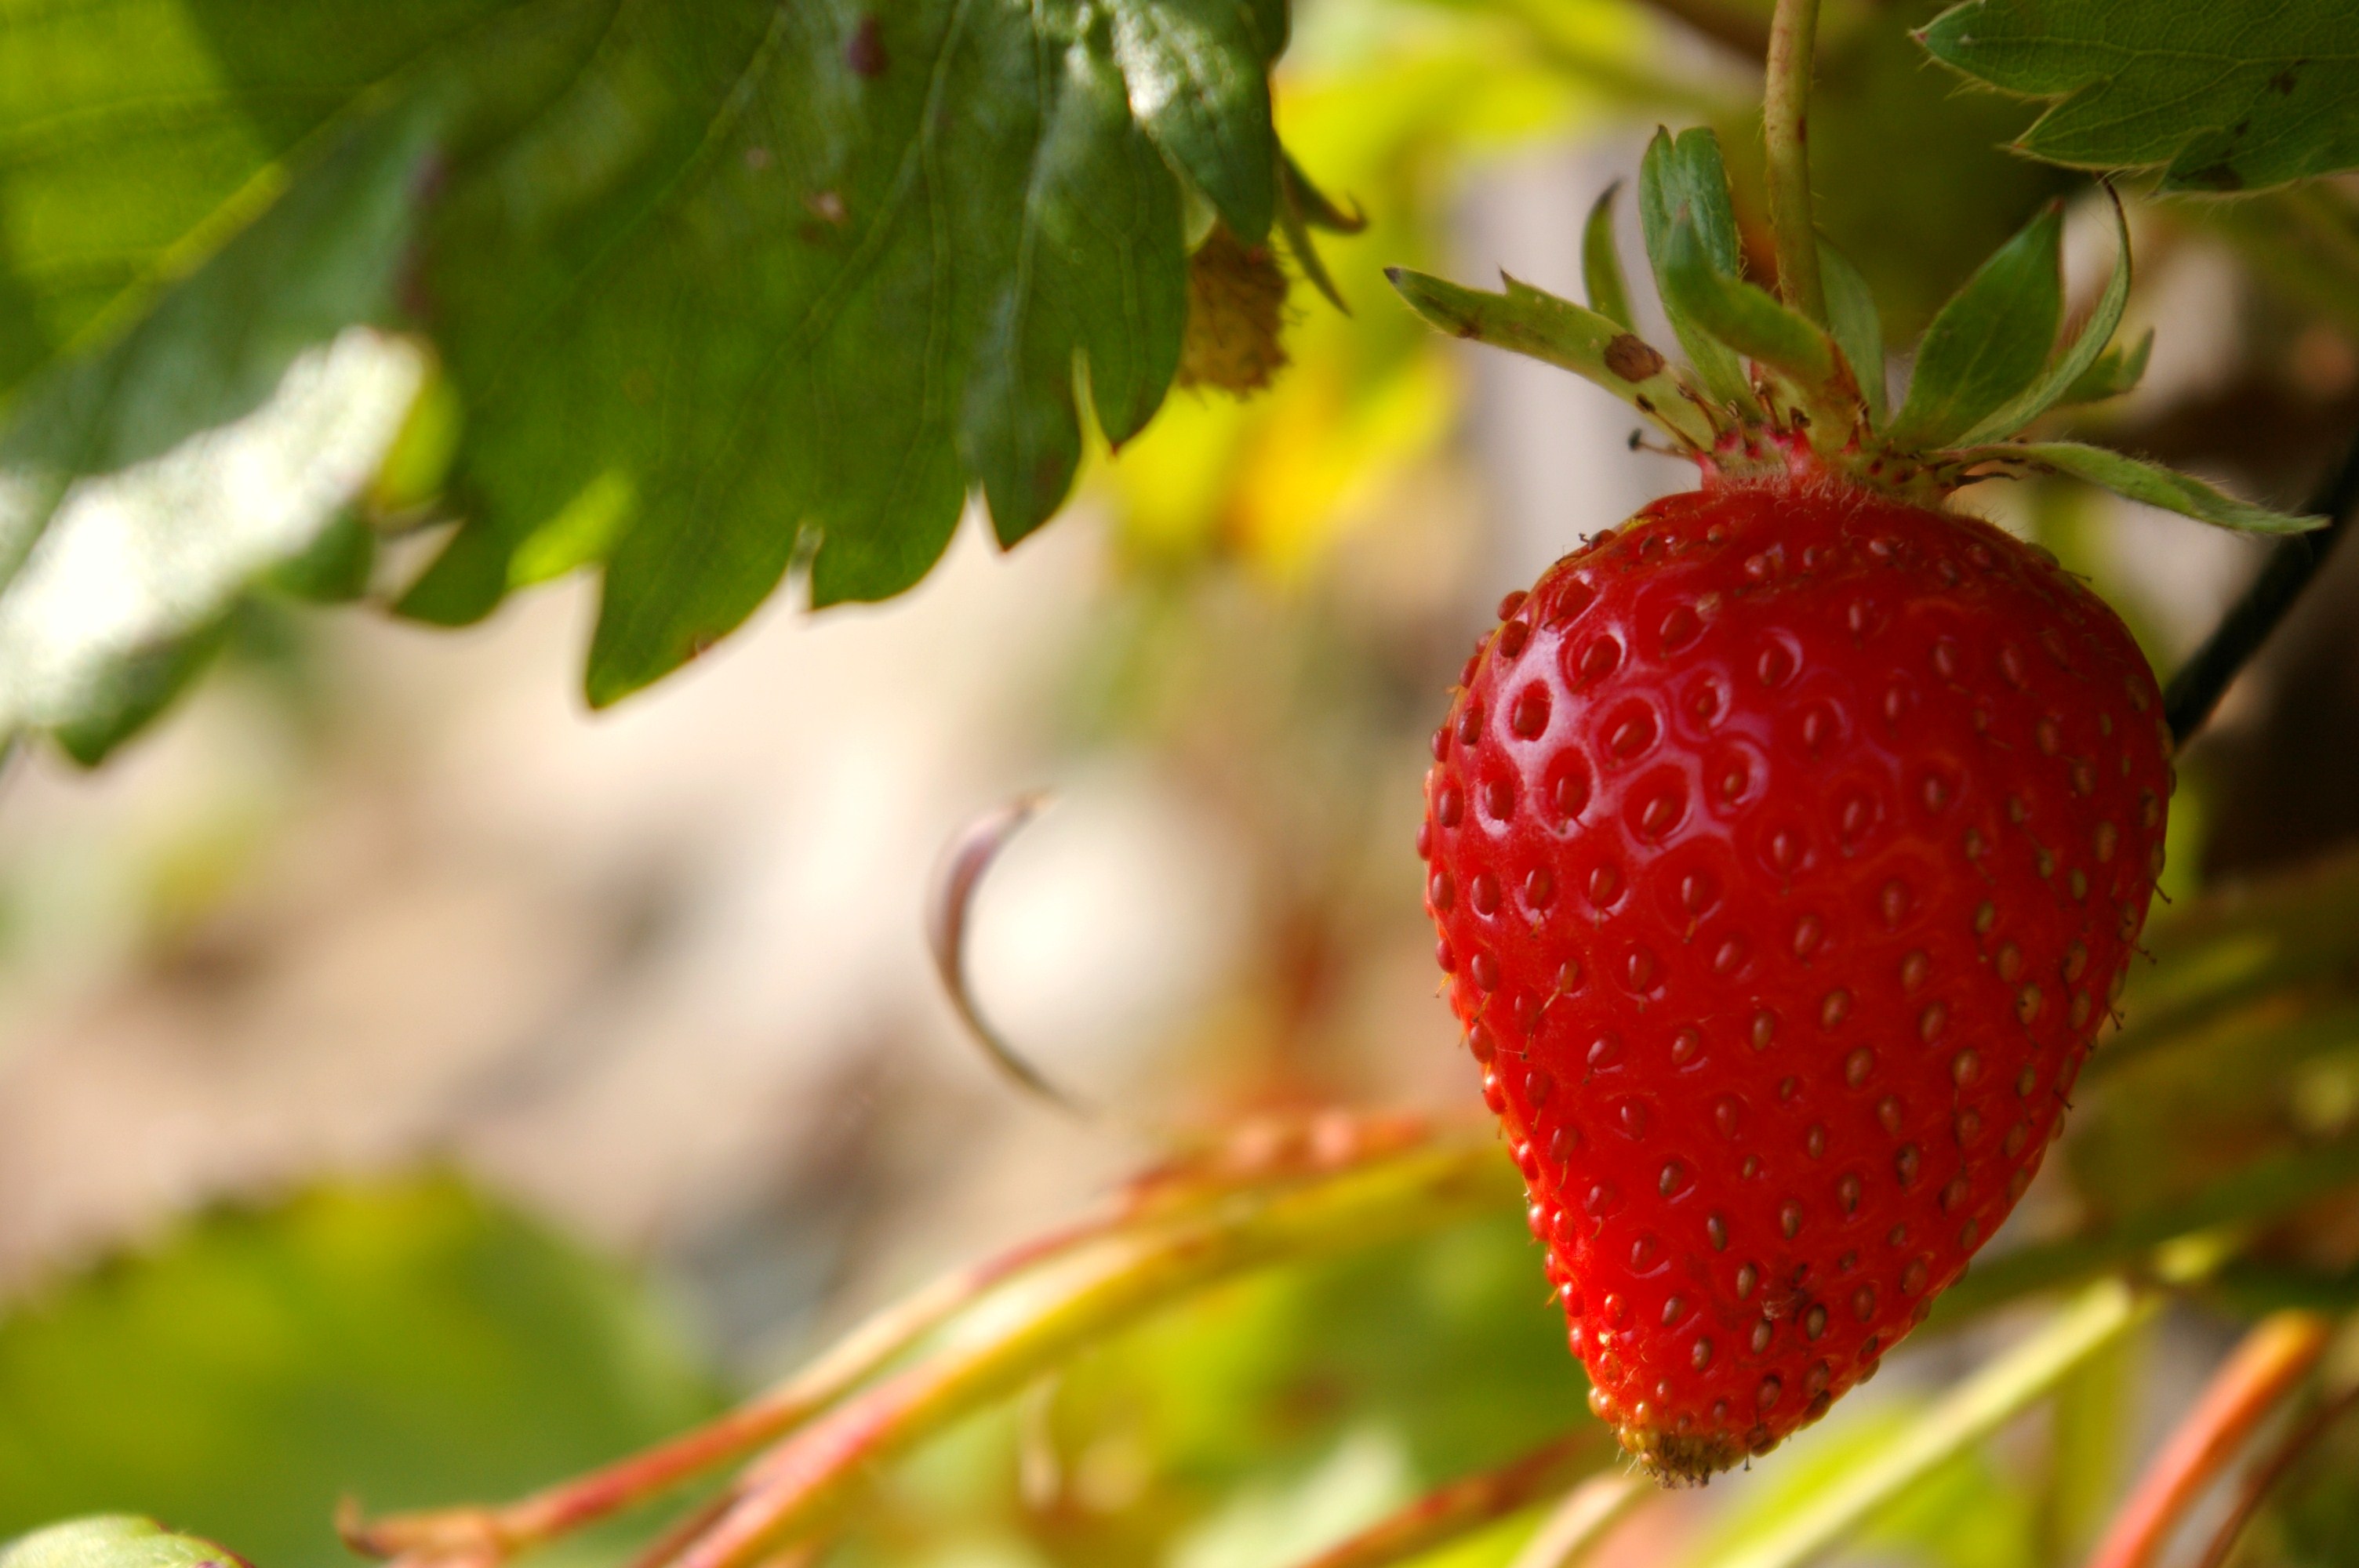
{"x": 415, "y": 1085}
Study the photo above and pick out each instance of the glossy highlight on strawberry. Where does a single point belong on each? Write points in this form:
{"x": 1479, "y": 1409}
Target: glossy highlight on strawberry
{"x": 1787, "y": 847}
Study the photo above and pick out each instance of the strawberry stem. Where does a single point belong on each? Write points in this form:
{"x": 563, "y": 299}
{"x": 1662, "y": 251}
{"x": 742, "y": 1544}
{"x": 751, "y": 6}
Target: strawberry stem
{"x": 2272, "y": 1359}
{"x": 1784, "y": 124}
{"x": 2199, "y": 684}
{"x": 2265, "y": 1475}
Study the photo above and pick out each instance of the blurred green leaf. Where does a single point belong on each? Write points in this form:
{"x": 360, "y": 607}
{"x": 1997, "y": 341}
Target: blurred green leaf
{"x": 791, "y": 282}
{"x": 113, "y": 1541}
{"x": 405, "y": 1343}
{"x": 1986, "y": 346}
{"x": 146, "y": 485}
{"x": 914, "y": 326}
{"x": 114, "y": 607}
{"x": 134, "y": 688}
{"x": 2230, "y": 97}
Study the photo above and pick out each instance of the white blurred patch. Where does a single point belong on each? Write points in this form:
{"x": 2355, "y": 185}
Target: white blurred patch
{"x": 136, "y": 556}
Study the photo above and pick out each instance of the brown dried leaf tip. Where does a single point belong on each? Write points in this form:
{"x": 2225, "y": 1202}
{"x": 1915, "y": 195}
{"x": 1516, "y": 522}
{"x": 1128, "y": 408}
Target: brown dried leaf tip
{"x": 1236, "y": 308}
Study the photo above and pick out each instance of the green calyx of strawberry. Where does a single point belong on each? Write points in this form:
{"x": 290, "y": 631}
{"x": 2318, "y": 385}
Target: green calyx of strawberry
{"x": 1767, "y": 393}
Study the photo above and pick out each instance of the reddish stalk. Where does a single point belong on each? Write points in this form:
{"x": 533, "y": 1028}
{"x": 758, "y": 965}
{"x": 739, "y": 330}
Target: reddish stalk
{"x": 2272, "y": 1359}
{"x": 1466, "y": 1505}
{"x": 2271, "y": 1470}
{"x": 795, "y": 1488}
{"x": 481, "y": 1535}
{"x": 478, "y": 1536}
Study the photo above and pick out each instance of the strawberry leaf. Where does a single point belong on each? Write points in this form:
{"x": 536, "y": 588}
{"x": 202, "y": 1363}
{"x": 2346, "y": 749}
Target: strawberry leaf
{"x": 2152, "y": 484}
{"x": 714, "y": 291}
{"x": 1987, "y": 346}
{"x": 113, "y": 1541}
{"x": 1600, "y": 264}
{"x": 1858, "y": 330}
{"x": 402, "y": 1340}
{"x": 148, "y": 485}
{"x": 2228, "y": 97}
{"x": 1685, "y": 176}
{"x": 2066, "y": 369}
{"x": 1564, "y": 334}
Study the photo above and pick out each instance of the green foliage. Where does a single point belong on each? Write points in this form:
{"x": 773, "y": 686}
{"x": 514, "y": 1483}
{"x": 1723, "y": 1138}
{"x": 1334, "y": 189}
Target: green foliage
{"x": 2227, "y": 97}
{"x": 113, "y": 1541}
{"x": 1988, "y": 343}
{"x": 714, "y": 291}
{"x": 2078, "y": 371}
{"x": 403, "y": 1343}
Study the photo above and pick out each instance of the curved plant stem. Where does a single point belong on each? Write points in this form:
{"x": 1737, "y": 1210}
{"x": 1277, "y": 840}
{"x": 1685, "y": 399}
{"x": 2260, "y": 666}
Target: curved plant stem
{"x": 950, "y": 907}
{"x": 1784, "y": 124}
{"x": 1471, "y": 1502}
{"x": 1965, "y": 1415}
{"x": 2275, "y": 1356}
{"x": 2197, "y": 687}
{"x": 1097, "y": 1292}
{"x": 2271, "y": 1470}
{"x": 493, "y": 1534}
{"x": 1263, "y": 1158}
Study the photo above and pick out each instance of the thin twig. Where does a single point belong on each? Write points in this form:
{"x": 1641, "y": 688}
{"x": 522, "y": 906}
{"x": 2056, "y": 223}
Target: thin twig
{"x": 496, "y": 1533}
{"x": 2199, "y": 684}
{"x": 2271, "y": 1470}
{"x": 956, "y": 882}
{"x": 2274, "y": 1356}
{"x": 1470, "y": 1503}
{"x": 1785, "y": 125}
{"x": 1961, "y": 1418}
{"x": 1265, "y": 1156}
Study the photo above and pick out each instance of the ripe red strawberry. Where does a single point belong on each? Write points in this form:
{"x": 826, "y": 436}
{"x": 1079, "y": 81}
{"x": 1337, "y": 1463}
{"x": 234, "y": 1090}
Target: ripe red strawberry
{"x": 1787, "y": 846}
{"x": 1789, "y": 843}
